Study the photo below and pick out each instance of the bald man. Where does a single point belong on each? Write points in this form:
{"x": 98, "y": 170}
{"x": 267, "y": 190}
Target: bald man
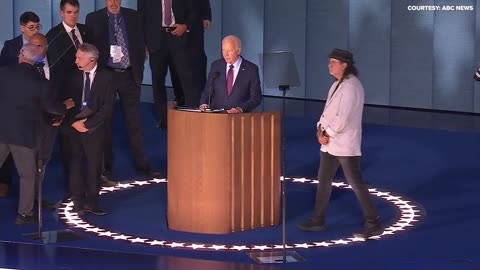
{"x": 41, "y": 64}
{"x": 23, "y": 99}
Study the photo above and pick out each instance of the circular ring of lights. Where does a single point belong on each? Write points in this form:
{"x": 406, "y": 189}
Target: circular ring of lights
{"x": 410, "y": 213}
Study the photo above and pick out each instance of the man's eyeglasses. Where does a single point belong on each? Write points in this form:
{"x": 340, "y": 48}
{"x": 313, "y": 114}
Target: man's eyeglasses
{"x": 33, "y": 27}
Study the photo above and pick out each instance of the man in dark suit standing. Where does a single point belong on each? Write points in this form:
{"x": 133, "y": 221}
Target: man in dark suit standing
{"x": 118, "y": 35}
{"x": 165, "y": 23}
{"x": 50, "y": 121}
{"x": 201, "y": 21}
{"x": 83, "y": 127}
{"x": 29, "y": 26}
{"x": 233, "y": 82}
{"x": 25, "y": 96}
{"x": 64, "y": 39}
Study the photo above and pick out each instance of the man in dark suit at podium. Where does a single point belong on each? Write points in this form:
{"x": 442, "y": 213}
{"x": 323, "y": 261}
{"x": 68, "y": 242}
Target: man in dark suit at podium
{"x": 90, "y": 87}
{"x": 233, "y": 82}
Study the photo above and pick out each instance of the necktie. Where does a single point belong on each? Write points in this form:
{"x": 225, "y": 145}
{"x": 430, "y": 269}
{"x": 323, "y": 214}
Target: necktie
{"x": 168, "y": 12}
{"x": 125, "y": 62}
{"x": 39, "y": 66}
{"x": 86, "y": 90}
{"x": 75, "y": 39}
{"x": 230, "y": 80}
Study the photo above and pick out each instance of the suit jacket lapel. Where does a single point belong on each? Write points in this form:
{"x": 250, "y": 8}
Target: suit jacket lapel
{"x": 129, "y": 25}
{"x": 335, "y": 94}
{"x": 240, "y": 76}
{"x": 98, "y": 77}
{"x": 78, "y": 84}
{"x": 104, "y": 26}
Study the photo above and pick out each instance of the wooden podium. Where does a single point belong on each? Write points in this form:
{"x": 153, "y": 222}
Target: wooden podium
{"x": 223, "y": 171}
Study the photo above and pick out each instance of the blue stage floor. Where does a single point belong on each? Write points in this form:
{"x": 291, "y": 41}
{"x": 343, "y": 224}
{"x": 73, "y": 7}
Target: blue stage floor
{"x": 429, "y": 159}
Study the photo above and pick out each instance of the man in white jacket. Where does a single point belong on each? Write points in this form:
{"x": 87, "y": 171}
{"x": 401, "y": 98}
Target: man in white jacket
{"x": 339, "y": 131}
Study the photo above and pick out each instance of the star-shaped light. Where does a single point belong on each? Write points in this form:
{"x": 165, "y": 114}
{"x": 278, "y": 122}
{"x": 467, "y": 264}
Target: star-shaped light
{"x": 281, "y": 246}
{"x": 381, "y": 194}
{"x": 121, "y": 237}
{"x": 322, "y": 244}
{"x": 174, "y": 245}
{"x": 127, "y": 185}
{"x": 141, "y": 183}
{"x": 94, "y": 229}
{"x": 218, "y": 247}
{"x": 397, "y": 202}
{"x": 138, "y": 240}
{"x": 301, "y": 180}
{"x": 339, "y": 184}
{"x": 340, "y": 242}
{"x": 196, "y": 246}
{"x": 84, "y": 226}
{"x": 357, "y": 239}
{"x": 156, "y": 243}
{"x": 240, "y": 248}
{"x": 262, "y": 247}
{"x": 107, "y": 233}
{"x": 158, "y": 181}
{"x": 304, "y": 245}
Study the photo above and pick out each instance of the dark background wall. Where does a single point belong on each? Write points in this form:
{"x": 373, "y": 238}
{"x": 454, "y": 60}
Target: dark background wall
{"x": 418, "y": 59}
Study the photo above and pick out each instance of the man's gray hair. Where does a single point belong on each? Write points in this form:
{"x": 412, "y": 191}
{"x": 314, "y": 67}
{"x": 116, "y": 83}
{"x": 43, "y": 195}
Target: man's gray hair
{"x": 31, "y": 53}
{"x": 90, "y": 49}
{"x": 237, "y": 43}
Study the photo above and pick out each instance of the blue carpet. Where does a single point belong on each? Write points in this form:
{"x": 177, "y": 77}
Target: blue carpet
{"x": 439, "y": 170}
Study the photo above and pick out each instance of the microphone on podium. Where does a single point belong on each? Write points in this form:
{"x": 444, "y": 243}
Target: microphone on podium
{"x": 211, "y": 89}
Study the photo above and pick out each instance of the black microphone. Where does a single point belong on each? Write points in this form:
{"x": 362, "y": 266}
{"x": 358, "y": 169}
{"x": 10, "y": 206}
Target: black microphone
{"x": 211, "y": 90}
{"x": 81, "y": 67}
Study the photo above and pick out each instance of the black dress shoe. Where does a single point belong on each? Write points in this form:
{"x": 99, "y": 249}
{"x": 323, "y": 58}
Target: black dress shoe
{"x": 106, "y": 175}
{"x": 95, "y": 210}
{"x": 106, "y": 180}
{"x": 312, "y": 225}
{"x": 369, "y": 232}
{"x": 25, "y": 219}
{"x": 77, "y": 208}
{"x": 147, "y": 171}
{"x": 157, "y": 174}
{"x": 108, "y": 183}
{"x": 162, "y": 124}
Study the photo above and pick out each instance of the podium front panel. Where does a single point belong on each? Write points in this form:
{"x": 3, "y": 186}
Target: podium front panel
{"x": 223, "y": 171}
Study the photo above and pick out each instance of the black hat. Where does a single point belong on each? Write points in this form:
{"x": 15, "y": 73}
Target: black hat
{"x": 342, "y": 55}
